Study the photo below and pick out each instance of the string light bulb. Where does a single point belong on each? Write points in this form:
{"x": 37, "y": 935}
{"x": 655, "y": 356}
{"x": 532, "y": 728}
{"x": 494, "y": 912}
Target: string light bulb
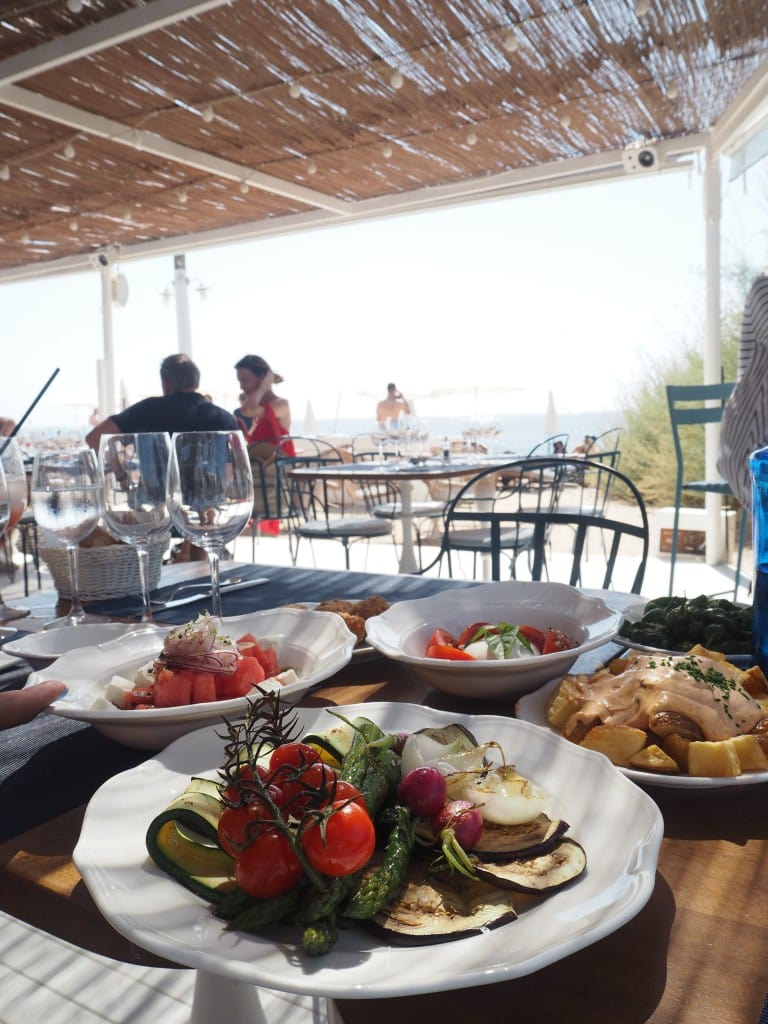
{"x": 69, "y": 151}
{"x": 294, "y": 90}
{"x": 74, "y": 6}
{"x": 565, "y": 120}
{"x": 245, "y": 188}
{"x": 311, "y": 167}
{"x": 642, "y": 7}
{"x": 136, "y": 139}
{"x": 396, "y": 80}
{"x": 25, "y": 239}
{"x": 386, "y": 151}
{"x": 511, "y": 42}
{"x": 5, "y": 173}
{"x": 471, "y": 137}
{"x": 182, "y": 196}
{"x": 74, "y": 226}
{"x": 207, "y": 113}
{"x": 672, "y": 91}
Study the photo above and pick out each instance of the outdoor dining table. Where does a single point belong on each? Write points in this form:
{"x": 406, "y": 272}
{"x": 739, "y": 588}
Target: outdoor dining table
{"x": 696, "y": 952}
{"x": 403, "y": 473}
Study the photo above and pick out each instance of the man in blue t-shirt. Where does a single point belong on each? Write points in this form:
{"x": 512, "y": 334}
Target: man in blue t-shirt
{"x": 181, "y": 407}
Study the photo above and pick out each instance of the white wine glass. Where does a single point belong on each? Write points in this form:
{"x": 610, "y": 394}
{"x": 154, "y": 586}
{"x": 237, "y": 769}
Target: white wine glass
{"x": 12, "y": 462}
{"x": 4, "y": 503}
{"x": 210, "y": 493}
{"x": 135, "y": 469}
{"x": 68, "y": 502}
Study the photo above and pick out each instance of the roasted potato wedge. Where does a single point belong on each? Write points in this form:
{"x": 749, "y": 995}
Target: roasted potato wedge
{"x": 716, "y": 758}
{"x": 750, "y": 753}
{"x": 653, "y": 759}
{"x": 619, "y": 743}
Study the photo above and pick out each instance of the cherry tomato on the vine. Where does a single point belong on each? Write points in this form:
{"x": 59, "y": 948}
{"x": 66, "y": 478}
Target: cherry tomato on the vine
{"x": 292, "y": 755}
{"x": 243, "y": 788}
{"x": 349, "y": 841}
{"x": 238, "y": 826}
{"x": 268, "y": 867}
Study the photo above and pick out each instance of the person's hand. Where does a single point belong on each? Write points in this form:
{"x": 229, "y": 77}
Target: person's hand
{"x": 20, "y": 706}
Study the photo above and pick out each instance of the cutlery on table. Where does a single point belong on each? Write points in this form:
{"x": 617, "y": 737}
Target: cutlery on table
{"x": 204, "y": 591}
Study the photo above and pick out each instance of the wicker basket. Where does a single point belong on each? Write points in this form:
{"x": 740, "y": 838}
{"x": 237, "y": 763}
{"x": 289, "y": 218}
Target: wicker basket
{"x": 105, "y": 572}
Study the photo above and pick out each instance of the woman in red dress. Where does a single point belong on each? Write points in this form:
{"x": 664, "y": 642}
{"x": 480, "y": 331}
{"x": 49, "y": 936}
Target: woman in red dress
{"x": 265, "y": 419}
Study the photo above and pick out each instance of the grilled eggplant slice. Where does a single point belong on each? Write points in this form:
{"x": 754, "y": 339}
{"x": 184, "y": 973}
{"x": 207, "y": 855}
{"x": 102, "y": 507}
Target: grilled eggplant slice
{"x": 543, "y": 874}
{"x": 502, "y": 842}
{"x": 441, "y": 909}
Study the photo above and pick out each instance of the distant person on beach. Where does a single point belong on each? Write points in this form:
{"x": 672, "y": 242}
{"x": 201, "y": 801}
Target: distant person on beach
{"x": 181, "y": 407}
{"x": 389, "y": 408}
{"x": 7, "y": 426}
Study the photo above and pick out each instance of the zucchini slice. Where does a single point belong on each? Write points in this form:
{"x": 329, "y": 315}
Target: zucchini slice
{"x": 183, "y": 841}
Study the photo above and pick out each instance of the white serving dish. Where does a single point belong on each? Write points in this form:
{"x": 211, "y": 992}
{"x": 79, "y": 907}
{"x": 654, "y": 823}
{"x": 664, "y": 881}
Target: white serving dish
{"x": 402, "y": 633}
{"x": 315, "y": 644}
{"x": 533, "y": 709}
{"x": 50, "y": 644}
{"x": 621, "y": 833}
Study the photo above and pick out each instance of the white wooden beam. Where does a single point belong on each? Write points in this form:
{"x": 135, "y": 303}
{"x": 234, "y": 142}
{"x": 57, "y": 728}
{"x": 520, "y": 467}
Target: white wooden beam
{"x": 103, "y": 127}
{"x": 108, "y": 32}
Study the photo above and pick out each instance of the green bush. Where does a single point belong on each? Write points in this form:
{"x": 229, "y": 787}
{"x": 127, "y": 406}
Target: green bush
{"x": 648, "y": 453}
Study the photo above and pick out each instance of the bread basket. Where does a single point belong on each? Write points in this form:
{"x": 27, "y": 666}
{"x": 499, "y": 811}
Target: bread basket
{"x": 105, "y": 572}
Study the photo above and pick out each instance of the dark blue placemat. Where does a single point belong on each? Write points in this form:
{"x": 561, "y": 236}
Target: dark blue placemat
{"x": 287, "y": 586}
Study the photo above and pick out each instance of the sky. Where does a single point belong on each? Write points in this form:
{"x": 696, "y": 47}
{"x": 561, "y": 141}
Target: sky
{"x": 499, "y": 302}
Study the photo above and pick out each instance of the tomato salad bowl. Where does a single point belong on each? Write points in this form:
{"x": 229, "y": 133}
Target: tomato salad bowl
{"x": 404, "y": 632}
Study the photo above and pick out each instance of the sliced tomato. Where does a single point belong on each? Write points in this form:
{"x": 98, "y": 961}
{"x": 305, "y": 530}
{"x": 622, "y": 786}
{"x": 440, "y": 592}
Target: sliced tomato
{"x": 555, "y": 640}
{"x": 536, "y": 636}
{"x": 469, "y": 632}
{"x": 442, "y": 638}
{"x": 448, "y": 653}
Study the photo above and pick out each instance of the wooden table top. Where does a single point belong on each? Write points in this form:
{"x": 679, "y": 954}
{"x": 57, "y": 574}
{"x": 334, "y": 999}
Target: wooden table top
{"x": 695, "y": 954}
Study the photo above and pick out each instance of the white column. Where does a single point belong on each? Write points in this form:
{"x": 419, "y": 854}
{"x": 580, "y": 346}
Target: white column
{"x": 712, "y": 348}
{"x": 181, "y": 289}
{"x": 107, "y": 406}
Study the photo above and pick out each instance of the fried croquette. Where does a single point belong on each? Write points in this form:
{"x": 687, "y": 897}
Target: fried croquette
{"x": 354, "y": 624}
{"x": 337, "y": 605}
{"x": 369, "y": 606}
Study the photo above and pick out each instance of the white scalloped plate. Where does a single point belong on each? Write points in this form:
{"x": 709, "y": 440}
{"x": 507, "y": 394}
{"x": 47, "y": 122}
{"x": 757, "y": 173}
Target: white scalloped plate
{"x": 621, "y": 832}
{"x": 315, "y": 644}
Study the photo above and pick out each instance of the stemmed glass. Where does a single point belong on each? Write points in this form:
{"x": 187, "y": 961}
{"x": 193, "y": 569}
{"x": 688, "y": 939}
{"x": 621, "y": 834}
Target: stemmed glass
{"x": 4, "y": 502}
{"x": 210, "y": 493}
{"x": 379, "y": 438}
{"x": 135, "y": 468}
{"x": 12, "y": 463}
{"x": 68, "y": 501}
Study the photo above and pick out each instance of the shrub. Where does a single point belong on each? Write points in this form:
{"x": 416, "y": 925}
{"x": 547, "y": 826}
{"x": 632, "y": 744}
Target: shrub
{"x": 648, "y": 453}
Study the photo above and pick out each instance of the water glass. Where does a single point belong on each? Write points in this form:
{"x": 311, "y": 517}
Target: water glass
{"x": 12, "y": 462}
{"x": 68, "y": 502}
{"x": 135, "y": 469}
{"x": 210, "y": 493}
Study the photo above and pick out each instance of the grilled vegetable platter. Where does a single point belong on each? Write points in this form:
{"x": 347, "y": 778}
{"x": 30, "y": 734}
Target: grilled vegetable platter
{"x": 423, "y": 837}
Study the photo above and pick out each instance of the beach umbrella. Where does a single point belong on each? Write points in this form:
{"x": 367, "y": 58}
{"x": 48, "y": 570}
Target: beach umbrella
{"x": 550, "y": 427}
{"x": 310, "y": 423}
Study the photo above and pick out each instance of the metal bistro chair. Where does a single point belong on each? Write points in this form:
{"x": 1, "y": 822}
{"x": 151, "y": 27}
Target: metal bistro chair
{"x": 483, "y": 517}
{"x": 317, "y": 508}
{"x": 697, "y": 405}
{"x": 517, "y": 526}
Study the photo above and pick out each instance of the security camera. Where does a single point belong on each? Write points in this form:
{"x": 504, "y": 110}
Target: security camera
{"x": 98, "y": 260}
{"x": 639, "y": 158}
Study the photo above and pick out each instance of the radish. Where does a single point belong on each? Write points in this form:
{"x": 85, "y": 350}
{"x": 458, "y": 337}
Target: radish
{"x": 458, "y": 826}
{"x": 422, "y": 791}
